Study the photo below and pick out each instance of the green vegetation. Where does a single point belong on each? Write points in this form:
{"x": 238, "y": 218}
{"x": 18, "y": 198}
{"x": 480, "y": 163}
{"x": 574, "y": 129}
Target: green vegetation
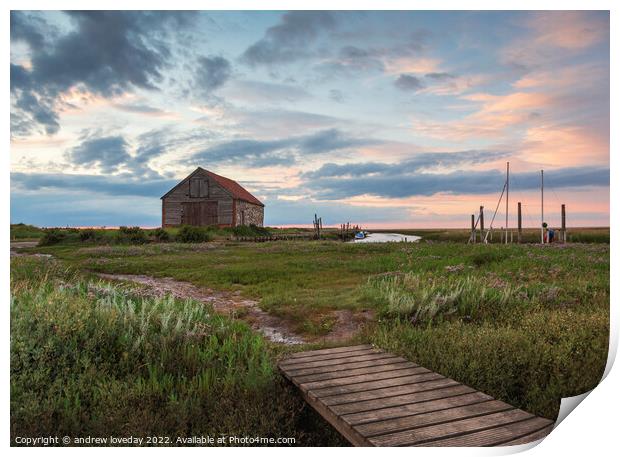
{"x": 251, "y": 230}
{"x": 131, "y": 235}
{"x": 23, "y": 232}
{"x": 528, "y": 324}
{"x": 88, "y": 358}
{"x": 191, "y": 234}
{"x": 52, "y": 236}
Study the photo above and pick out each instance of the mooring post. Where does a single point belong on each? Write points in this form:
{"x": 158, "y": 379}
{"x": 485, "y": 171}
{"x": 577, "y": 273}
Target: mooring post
{"x": 563, "y": 223}
{"x": 482, "y": 223}
{"x": 472, "y": 236}
{"x": 519, "y": 227}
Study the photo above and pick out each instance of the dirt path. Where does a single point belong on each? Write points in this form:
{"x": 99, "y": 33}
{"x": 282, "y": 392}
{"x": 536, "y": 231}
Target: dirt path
{"x": 232, "y": 303}
{"x": 229, "y": 303}
{"x": 16, "y": 246}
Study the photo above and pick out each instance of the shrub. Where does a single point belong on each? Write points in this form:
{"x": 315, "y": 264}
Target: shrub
{"x": 24, "y": 231}
{"x": 161, "y": 235}
{"x": 193, "y": 234}
{"x": 51, "y": 236}
{"x": 133, "y": 235}
{"x": 250, "y": 230}
{"x": 88, "y": 235}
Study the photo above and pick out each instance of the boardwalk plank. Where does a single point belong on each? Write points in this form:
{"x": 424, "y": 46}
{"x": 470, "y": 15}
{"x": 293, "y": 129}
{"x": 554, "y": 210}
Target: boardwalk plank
{"x": 432, "y": 417}
{"x": 374, "y": 354}
{"x": 353, "y": 372}
{"x": 388, "y": 374}
{"x": 374, "y": 398}
{"x": 374, "y": 385}
{"x": 389, "y": 392}
{"x": 360, "y": 411}
{"x": 299, "y": 355}
{"x": 449, "y": 429}
{"x": 345, "y": 366}
{"x": 499, "y": 435}
{"x": 333, "y": 356}
{"x": 405, "y": 410}
{"x": 540, "y": 434}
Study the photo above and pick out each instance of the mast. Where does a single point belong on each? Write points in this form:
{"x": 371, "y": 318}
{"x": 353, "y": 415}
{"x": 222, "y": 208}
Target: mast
{"x": 542, "y": 206}
{"x": 507, "y": 188}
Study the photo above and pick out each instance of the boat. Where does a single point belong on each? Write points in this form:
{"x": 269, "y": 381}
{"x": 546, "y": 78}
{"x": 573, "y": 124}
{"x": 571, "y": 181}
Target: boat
{"x": 360, "y": 235}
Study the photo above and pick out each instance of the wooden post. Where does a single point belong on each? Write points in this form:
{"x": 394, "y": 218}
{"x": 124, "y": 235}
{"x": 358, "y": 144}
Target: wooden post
{"x": 542, "y": 206}
{"x": 519, "y": 227}
{"x": 507, "y": 189}
{"x": 563, "y": 223}
{"x": 472, "y": 237}
{"x": 481, "y": 223}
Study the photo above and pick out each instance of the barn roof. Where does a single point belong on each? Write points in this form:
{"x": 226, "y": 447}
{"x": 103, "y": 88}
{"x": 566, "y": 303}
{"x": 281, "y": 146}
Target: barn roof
{"x": 233, "y": 187}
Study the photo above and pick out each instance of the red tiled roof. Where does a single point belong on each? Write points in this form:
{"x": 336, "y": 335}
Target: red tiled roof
{"x": 234, "y": 188}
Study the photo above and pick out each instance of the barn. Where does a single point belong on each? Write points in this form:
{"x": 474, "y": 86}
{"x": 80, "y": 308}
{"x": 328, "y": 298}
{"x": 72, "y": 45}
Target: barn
{"x": 205, "y": 198}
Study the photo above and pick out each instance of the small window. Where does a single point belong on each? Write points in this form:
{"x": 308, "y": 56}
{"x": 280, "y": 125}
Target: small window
{"x": 194, "y": 187}
{"x": 204, "y": 188}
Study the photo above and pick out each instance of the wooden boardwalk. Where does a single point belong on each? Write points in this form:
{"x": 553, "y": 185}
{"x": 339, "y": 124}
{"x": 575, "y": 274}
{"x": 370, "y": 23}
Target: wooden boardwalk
{"x": 374, "y": 398}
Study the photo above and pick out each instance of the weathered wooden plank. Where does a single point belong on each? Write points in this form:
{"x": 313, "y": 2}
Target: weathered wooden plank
{"x": 358, "y": 379}
{"x": 432, "y": 417}
{"x": 353, "y": 372}
{"x": 497, "y": 436}
{"x": 374, "y": 398}
{"x": 299, "y": 355}
{"x": 345, "y": 366}
{"x": 375, "y": 354}
{"x": 437, "y": 404}
{"x": 538, "y": 435}
{"x": 355, "y": 411}
{"x": 324, "y": 357}
{"x": 372, "y": 386}
{"x": 384, "y": 394}
{"x": 450, "y": 429}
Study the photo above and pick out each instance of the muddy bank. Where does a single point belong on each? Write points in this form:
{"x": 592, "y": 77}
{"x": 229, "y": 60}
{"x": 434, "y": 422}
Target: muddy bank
{"x": 224, "y": 302}
{"x": 232, "y": 303}
{"x": 17, "y": 246}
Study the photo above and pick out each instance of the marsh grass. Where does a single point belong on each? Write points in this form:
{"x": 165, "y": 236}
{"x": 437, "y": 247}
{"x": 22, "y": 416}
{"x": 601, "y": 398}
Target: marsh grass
{"x": 527, "y": 324}
{"x": 90, "y": 358}
{"x": 423, "y": 300}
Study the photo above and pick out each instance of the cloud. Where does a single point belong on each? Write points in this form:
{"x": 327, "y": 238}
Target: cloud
{"x": 389, "y": 185}
{"x": 37, "y": 109}
{"x": 138, "y": 108}
{"x": 29, "y": 28}
{"x": 105, "y": 53}
{"x": 211, "y": 73}
{"x": 439, "y": 76}
{"x": 285, "y": 151}
{"x": 336, "y": 95}
{"x": 114, "y": 154}
{"x": 408, "y": 83}
{"x": 250, "y": 92}
{"x": 290, "y": 38}
{"x": 107, "y": 185}
{"x": 554, "y": 35}
{"x": 107, "y": 153}
{"x": 423, "y": 161}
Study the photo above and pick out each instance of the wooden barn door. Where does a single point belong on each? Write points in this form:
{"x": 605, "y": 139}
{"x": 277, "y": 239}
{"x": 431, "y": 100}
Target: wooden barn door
{"x": 200, "y": 213}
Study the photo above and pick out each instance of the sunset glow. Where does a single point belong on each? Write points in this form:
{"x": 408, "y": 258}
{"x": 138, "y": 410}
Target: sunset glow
{"x": 383, "y": 119}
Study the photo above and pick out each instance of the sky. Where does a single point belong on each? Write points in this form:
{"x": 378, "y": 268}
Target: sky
{"x": 383, "y": 119}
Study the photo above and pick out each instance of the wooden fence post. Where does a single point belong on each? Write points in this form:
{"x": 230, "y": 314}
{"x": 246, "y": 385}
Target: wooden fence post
{"x": 519, "y": 228}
